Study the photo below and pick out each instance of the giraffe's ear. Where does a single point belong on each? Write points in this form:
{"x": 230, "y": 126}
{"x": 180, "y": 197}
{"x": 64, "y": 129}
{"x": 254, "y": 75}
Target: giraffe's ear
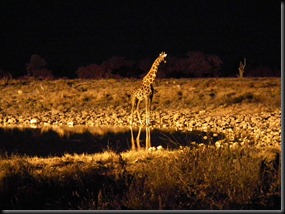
{"x": 163, "y": 54}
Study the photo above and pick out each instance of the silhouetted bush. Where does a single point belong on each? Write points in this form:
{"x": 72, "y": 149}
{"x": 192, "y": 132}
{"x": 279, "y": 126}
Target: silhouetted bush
{"x": 43, "y": 73}
{"x": 174, "y": 67}
{"x": 93, "y": 71}
{"x": 36, "y": 63}
{"x": 5, "y": 77}
{"x": 114, "y": 67}
{"x": 196, "y": 64}
{"x": 145, "y": 64}
{"x": 117, "y": 66}
{"x": 37, "y": 68}
{"x": 202, "y": 65}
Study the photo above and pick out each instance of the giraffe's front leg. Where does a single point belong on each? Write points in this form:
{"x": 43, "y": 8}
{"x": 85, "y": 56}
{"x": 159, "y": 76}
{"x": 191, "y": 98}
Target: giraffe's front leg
{"x": 138, "y": 113}
{"x": 147, "y": 138}
{"x": 147, "y": 120}
{"x": 147, "y": 112}
{"x": 132, "y": 138}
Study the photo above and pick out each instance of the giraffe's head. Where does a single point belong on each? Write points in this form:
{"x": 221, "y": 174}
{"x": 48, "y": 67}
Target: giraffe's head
{"x": 162, "y": 55}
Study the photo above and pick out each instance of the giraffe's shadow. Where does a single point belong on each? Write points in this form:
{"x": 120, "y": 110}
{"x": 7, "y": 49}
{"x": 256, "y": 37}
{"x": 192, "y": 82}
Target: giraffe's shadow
{"x": 45, "y": 142}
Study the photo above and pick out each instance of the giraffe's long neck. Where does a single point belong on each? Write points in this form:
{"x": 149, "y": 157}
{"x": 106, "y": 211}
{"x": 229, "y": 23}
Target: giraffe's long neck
{"x": 151, "y": 75}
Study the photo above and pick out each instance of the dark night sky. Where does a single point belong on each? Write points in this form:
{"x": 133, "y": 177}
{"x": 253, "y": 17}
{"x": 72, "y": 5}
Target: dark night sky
{"x": 72, "y": 33}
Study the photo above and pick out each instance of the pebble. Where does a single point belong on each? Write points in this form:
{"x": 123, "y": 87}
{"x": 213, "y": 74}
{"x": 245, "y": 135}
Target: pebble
{"x": 34, "y": 121}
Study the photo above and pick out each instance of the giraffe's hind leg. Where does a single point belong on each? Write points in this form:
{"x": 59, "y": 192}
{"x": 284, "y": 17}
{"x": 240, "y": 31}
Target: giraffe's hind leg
{"x": 135, "y": 108}
{"x": 147, "y": 138}
{"x": 134, "y": 104}
{"x": 138, "y": 138}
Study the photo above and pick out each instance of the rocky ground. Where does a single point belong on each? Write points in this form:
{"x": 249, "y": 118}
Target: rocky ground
{"x": 247, "y": 111}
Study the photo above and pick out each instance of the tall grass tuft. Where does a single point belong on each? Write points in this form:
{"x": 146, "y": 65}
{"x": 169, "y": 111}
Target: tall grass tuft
{"x": 200, "y": 178}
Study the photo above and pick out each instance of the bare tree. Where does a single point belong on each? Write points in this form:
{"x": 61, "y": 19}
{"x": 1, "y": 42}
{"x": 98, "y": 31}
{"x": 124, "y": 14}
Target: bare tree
{"x": 241, "y": 68}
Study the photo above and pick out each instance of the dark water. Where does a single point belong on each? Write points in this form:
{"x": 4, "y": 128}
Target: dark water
{"x": 57, "y": 141}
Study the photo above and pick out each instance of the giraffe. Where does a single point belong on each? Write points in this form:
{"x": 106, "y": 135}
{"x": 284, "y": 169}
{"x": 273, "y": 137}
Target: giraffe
{"x": 145, "y": 91}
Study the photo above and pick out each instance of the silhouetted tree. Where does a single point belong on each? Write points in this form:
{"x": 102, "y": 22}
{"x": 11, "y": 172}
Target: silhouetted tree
{"x": 216, "y": 64}
{"x": 5, "y": 77}
{"x": 117, "y": 65}
{"x": 37, "y": 67}
{"x": 36, "y": 63}
{"x": 195, "y": 64}
{"x": 175, "y": 67}
{"x": 203, "y": 65}
{"x": 93, "y": 71}
{"x": 144, "y": 64}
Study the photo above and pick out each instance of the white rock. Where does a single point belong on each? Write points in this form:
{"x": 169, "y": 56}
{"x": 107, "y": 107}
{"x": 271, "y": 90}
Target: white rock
{"x": 159, "y": 148}
{"x": 34, "y": 121}
{"x": 215, "y": 135}
{"x": 70, "y": 123}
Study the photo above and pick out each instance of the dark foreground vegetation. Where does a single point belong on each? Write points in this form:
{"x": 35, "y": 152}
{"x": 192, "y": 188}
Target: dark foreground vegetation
{"x": 199, "y": 178}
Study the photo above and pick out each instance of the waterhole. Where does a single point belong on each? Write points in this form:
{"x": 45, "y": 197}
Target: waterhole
{"x": 57, "y": 141}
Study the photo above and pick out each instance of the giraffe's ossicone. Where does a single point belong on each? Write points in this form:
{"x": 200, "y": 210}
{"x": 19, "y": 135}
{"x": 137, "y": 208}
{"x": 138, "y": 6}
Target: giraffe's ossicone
{"x": 145, "y": 90}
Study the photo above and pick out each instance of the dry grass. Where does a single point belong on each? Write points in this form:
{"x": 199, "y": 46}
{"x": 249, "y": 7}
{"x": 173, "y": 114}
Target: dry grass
{"x": 217, "y": 92}
{"x": 85, "y": 95}
{"x": 201, "y": 178}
